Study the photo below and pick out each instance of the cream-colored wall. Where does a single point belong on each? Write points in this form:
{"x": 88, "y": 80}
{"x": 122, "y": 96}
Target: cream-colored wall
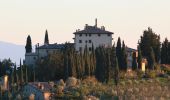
{"x": 102, "y": 40}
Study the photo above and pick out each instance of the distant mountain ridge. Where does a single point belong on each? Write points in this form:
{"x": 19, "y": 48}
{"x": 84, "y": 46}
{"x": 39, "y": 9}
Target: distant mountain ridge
{"x": 12, "y": 51}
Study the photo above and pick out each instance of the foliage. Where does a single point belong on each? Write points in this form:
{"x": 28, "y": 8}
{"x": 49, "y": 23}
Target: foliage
{"x": 151, "y": 74}
{"x": 118, "y": 52}
{"x": 150, "y": 40}
{"x": 140, "y": 73}
{"x": 51, "y": 68}
{"x": 139, "y": 60}
{"x": 124, "y": 57}
{"x": 151, "y": 60}
{"x": 165, "y": 52}
{"x": 5, "y": 67}
{"x": 134, "y": 62}
{"x": 28, "y": 46}
{"x": 46, "y": 40}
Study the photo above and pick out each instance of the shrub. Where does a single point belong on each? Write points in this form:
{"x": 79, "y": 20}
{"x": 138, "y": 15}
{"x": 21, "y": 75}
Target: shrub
{"x": 140, "y": 74}
{"x": 129, "y": 82}
{"x": 71, "y": 82}
{"x": 151, "y": 74}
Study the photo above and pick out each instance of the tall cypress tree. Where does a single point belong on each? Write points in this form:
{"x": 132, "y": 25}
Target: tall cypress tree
{"x": 151, "y": 59}
{"x": 28, "y": 46}
{"x": 46, "y": 40}
{"x": 108, "y": 65}
{"x": 15, "y": 74}
{"x": 21, "y": 72}
{"x": 93, "y": 60}
{"x": 116, "y": 72}
{"x": 100, "y": 64}
{"x": 168, "y": 53}
{"x": 118, "y": 52}
{"x": 139, "y": 57}
{"x": 164, "y": 52}
{"x": 134, "y": 62}
{"x": 26, "y": 74}
{"x": 124, "y": 57}
{"x": 86, "y": 59}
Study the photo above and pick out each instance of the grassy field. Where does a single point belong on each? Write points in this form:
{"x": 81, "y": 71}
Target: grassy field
{"x": 128, "y": 89}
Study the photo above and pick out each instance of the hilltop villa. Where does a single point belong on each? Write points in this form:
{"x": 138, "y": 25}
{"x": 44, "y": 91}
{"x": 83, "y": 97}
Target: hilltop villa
{"x": 90, "y": 35}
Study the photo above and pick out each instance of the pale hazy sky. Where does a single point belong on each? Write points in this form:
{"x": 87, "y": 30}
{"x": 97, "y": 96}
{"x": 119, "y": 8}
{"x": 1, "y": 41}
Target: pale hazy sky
{"x": 126, "y": 18}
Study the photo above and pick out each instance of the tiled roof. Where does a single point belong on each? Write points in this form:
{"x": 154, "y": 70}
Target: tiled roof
{"x": 52, "y": 46}
{"x": 37, "y": 85}
{"x": 93, "y": 30}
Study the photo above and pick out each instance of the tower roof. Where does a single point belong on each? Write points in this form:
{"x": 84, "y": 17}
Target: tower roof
{"x": 93, "y": 30}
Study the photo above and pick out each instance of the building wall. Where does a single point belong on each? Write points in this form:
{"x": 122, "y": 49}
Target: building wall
{"x": 45, "y": 52}
{"x": 30, "y": 58}
{"x": 102, "y": 40}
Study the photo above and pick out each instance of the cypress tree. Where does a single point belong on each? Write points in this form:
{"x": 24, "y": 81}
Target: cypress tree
{"x": 66, "y": 66}
{"x": 113, "y": 56}
{"x": 139, "y": 58}
{"x": 99, "y": 65}
{"x": 124, "y": 57}
{"x": 15, "y": 74}
{"x": 93, "y": 60}
{"x": 164, "y": 52}
{"x": 151, "y": 60}
{"x": 108, "y": 65}
{"x": 82, "y": 65}
{"x": 118, "y": 52}
{"x": 168, "y": 53}
{"x": 21, "y": 72}
{"x": 26, "y": 74}
{"x": 46, "y": 40}
{"x": 116, "y": 72}
{"x": 134, "y": 62}
{"x": 86, "y": 61}
{"x": 28, "y": 46}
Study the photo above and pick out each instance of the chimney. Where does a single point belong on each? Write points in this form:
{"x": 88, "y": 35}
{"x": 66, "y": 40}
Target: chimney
{"x": 96, "y": 22}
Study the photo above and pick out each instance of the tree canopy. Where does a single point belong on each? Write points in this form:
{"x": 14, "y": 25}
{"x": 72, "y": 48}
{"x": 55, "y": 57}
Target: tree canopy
{"x": 28, "y": 46}
{"x": 46, "y": 40}
{"x": 150, "y": 40}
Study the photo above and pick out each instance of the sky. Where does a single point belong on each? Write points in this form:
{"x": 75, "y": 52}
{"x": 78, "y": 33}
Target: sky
{"x": 126, "y": 18}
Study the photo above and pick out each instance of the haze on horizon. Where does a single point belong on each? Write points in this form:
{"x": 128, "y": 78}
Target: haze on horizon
{"x": 126, "y": 18}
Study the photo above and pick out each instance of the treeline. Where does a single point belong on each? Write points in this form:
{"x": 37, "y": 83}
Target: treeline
{"x": 165, "y": 52}
{"x": 100, "y": 62}
{"x": 5, "y": 67}
{"x": 16, "y": 74}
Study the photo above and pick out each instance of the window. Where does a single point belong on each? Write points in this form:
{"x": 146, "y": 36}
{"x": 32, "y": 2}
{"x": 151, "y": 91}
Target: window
{"x": 86, "y": 34}
{"x": 86, "y": 41}
{"x": 80, "y": 35}
{"x": 89, "y": 35}
{"x": 98, "y": 34}
{"x": 80, "y": 41}
{"x": 108, "y": 34}
{"x": 89, "y": 41}
{"x": 89, "y": 48}
{"x": 34, "y": 58}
